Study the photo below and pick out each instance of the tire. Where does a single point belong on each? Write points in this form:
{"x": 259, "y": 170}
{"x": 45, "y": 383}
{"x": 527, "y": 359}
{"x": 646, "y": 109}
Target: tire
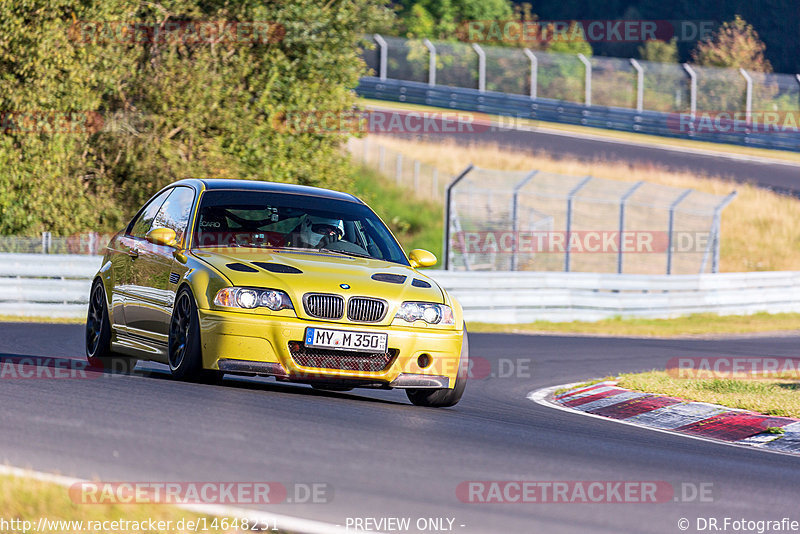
{"x": 185, "y": 351}
{"x": 98, "y": 335}
{"x": 443, "y": 398}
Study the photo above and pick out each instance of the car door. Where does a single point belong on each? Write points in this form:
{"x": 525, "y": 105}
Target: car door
{"x": 125, "y": 251}
{"x": 156, "y": 272}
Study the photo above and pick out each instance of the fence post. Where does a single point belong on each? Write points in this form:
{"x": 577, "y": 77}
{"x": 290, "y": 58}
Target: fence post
{"x": 382, "y": 159}
{"x": 692, "y": 89}
{"x": 435, "y": 183}
{"x": 622, "y": 202}
{"x": 416, "y": 177}
{"x": 587, "y": 98}
{"x": 481, "y": 66}
{"x": 515, "y": 216}
{"x": 748, "y": 95}
{"x": 639, "y": 85}
{"x": 431, "y": 61}
{"x": 398, "y": 171}
{"x": 798, "y": 80}
{"x": 447, "y": 208}
{"x": 534, "y": 71}
{"x": 570, "y": 197}
{"x": 383, "y": 55}
{"x": 717, "y": 220}
{"x": 672, "y": 207}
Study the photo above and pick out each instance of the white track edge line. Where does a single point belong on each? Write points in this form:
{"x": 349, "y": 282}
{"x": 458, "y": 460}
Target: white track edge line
{"x": 540, "y": 396}
{"x": 283, "y": 522}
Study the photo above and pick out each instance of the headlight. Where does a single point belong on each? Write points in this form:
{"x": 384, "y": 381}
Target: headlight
{"x": 242, "y": 297}
{"x": 426, "y": 311}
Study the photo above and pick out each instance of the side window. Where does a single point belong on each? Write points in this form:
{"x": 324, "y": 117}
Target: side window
{"x": 175, "y": 212}
{"x": 142, "y": 224}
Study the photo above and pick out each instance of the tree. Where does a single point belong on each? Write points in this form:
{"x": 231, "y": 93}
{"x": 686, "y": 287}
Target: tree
{"x": 659, "y": 51}
{"x": 734, "y": 44}
{"x": 449, "y": 14}
{"x": 171, "y": 108}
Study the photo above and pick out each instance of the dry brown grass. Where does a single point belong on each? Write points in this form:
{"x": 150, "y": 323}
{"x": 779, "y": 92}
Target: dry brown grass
{"x": 760, "y": 229}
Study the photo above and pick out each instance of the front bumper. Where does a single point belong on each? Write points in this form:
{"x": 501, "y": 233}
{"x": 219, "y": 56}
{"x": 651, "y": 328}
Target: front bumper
{"x": 259, "y": 344}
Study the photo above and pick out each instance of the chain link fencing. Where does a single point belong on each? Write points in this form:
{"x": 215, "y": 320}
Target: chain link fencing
{"x": 539, "y": 221}
{"x": 604, "y": 81}
{"x": 90, "y": 243}
{"x": 423, "y": 181}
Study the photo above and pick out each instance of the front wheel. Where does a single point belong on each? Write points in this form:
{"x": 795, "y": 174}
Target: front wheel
{"x": 442, "y": 398}
{"x": 185, "y": 351}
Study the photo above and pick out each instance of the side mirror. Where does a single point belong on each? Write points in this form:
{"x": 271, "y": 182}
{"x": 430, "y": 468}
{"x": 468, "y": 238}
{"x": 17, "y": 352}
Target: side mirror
{"x": 163, "y": 236}
{"x": 421, "y": 258}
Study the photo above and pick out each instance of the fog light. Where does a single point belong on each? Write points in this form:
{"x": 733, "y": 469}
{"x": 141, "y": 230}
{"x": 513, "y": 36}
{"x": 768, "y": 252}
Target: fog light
{"x": 424, "y": 360}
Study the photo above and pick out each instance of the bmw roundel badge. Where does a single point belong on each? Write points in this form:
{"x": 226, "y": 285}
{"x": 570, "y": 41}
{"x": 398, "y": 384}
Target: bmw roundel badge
{"x": 344, "y": 286}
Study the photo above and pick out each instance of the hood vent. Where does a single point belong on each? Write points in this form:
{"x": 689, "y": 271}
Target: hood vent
{"x": 277, "y": 268}
{"x": 420, "y": 283}
{"x": 390, "y": 278}
{"x": 241, "y": 267}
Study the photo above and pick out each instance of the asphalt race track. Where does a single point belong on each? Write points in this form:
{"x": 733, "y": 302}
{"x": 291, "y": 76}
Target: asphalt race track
{"x": 777, "y": 176}
{"x": 384, "y": 457}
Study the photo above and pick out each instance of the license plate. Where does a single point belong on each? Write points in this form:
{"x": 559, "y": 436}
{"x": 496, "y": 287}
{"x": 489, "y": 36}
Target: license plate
{"x": 346, "y": 340}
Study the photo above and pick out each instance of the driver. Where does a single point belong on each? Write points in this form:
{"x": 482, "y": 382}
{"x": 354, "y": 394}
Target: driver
{"x": 321, "y": 231}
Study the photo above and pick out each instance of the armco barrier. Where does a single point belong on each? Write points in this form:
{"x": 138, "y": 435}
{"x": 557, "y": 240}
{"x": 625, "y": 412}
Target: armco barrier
{"x": 521, "y": 106}
{"x": 51, "y": 285}
{"x": 58, "y": 286}
{"x": 519, "y": 297}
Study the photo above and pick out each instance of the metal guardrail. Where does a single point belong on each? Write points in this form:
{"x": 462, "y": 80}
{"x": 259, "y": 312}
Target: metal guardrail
{"x": 58, "y": 286}
{"x": 520, "y": 297}
{"x": 548, "y": 110}
{"x": 51, "y": 285}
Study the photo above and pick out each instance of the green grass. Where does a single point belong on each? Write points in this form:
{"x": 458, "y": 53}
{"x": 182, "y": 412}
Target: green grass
{"x": 696, "y": 324}
{"x": 768, "y": 396}
{"x": 415, "y": 224}
{"x": 29, "y": 499}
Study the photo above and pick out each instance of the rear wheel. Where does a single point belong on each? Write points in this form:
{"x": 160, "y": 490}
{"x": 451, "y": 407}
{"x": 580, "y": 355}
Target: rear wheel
{"x": 185, "y": 349}
{"x": 98, "y": 335}
{"x": 442, "y": 398}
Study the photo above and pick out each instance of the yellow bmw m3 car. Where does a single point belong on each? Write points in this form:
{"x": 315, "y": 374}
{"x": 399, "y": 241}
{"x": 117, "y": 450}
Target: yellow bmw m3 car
{"x": 302, "y": 284}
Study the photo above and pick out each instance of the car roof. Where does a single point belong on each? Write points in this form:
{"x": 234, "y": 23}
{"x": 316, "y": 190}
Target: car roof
{"x": 224, "y": 184}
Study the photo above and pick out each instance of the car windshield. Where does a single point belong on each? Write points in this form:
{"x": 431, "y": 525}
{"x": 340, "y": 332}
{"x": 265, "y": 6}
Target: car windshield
{"x": 261, "y": 219}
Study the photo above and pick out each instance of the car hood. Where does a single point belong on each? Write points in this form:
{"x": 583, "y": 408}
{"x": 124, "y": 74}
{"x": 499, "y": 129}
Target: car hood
{"x": 321, "y": 272}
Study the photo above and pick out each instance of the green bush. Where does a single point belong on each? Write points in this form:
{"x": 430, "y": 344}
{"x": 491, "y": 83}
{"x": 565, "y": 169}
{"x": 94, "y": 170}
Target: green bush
{"x": 170, "y": 108}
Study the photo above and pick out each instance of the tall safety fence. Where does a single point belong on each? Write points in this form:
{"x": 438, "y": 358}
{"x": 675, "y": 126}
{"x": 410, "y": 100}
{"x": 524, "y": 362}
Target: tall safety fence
{"x": 680, "y": 100}
{"x": 423, "y": 181}
{"x": 540, "y": 221}
{"x": 46, "y": 243}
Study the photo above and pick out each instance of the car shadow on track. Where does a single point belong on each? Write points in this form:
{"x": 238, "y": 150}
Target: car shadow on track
{"x": 161, "y": 372}
{"x": 26, "y": 366}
